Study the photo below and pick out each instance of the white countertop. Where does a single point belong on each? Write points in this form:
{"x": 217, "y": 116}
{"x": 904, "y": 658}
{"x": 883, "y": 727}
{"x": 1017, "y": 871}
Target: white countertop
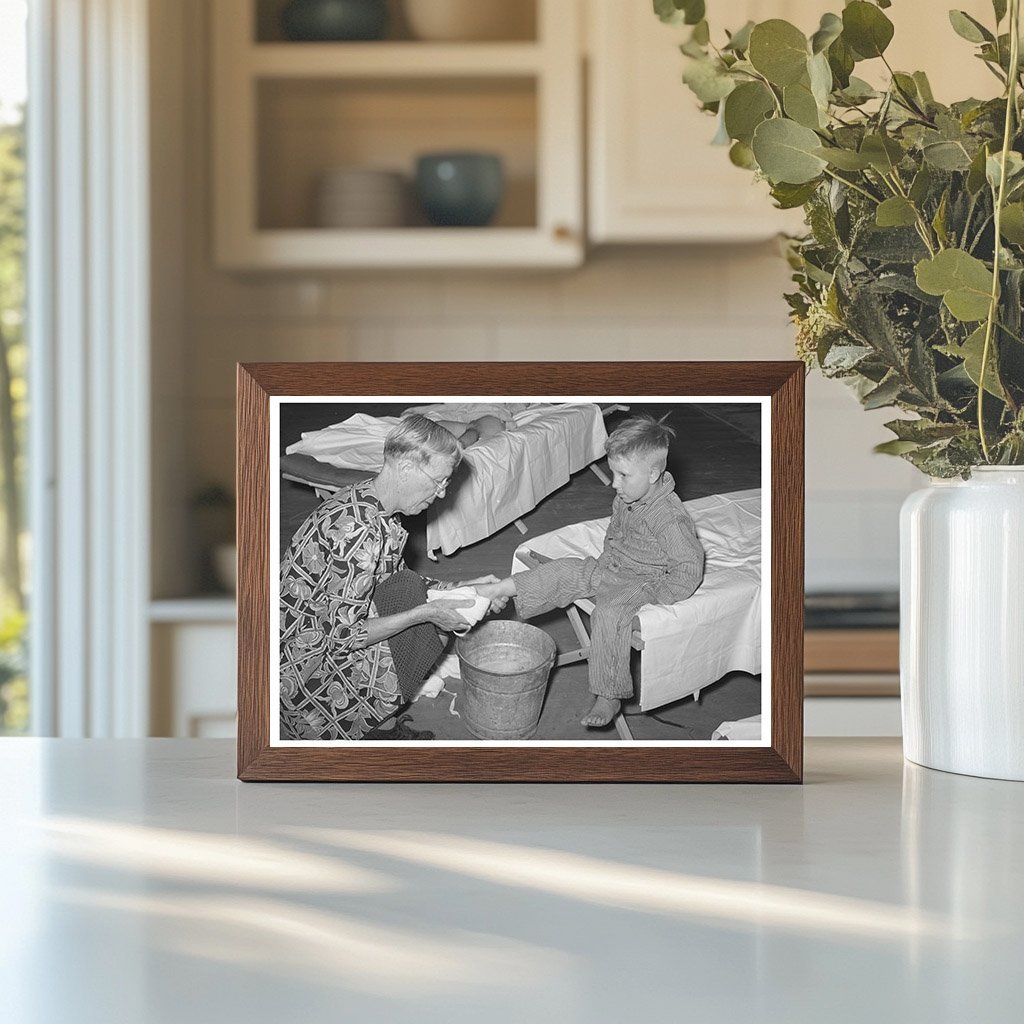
{"x": 143, "y": 884}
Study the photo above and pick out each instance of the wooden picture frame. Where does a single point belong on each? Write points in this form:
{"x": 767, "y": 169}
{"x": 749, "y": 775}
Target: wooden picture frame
{"x": 779, "y": 389}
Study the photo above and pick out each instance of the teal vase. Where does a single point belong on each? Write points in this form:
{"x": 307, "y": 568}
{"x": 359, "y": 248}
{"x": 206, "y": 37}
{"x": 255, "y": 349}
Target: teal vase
{"x": 334, "y": 20}
{"x": 460, "y": 189}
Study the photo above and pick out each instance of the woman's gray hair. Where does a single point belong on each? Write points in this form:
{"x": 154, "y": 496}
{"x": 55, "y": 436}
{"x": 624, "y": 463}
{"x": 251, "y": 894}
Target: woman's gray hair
{"x": 422, "y": 439}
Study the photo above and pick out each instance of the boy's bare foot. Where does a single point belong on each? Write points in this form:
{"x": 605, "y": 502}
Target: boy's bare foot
{"x": 603, "y": 711}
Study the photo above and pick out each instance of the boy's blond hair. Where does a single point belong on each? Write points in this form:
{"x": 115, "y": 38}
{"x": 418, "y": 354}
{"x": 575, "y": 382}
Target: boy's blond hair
{"x": 641, "y": 435}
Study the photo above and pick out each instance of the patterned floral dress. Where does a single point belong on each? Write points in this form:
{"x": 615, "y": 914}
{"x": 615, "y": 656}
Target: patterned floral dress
{"x": 334, "y": 686}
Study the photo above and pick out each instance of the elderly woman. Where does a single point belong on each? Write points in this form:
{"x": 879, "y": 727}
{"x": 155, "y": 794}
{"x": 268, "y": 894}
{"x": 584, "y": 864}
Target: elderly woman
{"x": 338, "y": 676}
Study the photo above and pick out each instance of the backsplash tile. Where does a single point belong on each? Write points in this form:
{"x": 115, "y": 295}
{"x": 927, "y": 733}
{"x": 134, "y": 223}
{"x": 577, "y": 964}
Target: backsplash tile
{"x": 715, "y": 302}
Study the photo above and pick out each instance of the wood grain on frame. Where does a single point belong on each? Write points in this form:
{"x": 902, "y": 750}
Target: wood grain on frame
{"x": 780, "y": 762}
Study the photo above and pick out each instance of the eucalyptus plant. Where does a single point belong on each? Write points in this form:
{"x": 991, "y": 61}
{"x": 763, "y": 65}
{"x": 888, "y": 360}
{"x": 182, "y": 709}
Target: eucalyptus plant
{"x": 910, "y": 278}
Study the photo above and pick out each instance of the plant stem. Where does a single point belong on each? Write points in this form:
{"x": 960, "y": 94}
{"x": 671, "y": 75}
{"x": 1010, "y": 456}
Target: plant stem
{"x": 850, "y": 184}
{"x": 993, "y": 308}
{"x": 922, "y": 225}
{"x": 1012, "y": 334}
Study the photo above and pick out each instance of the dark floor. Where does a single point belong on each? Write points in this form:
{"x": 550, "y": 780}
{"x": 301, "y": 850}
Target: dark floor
{"x": 717, "y": 449}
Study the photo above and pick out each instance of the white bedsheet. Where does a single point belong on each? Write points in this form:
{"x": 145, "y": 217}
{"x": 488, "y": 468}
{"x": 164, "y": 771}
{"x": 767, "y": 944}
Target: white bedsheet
{"x": 693, "y": 643}
{"x": 508, "y": 475}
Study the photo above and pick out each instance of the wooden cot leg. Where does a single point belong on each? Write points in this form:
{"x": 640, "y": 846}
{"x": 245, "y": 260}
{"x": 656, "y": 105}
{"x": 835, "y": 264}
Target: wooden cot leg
{"x": 622, "y": 727}
{"x": 521, "y": 526}
{"x": 696, "y": 696}
{"x": 600, "y": 474}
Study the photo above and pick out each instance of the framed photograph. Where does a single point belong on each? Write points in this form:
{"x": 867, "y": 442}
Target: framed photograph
{"x": 520, "y": 572}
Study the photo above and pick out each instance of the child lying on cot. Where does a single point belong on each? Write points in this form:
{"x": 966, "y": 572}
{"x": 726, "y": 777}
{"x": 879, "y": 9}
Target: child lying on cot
{"x": 651, "y": 555}
{"x": 469, "y": 423}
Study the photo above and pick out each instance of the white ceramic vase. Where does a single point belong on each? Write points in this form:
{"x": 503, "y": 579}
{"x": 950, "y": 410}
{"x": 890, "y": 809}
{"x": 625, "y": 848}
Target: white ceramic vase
{"x": 962, "y": 624}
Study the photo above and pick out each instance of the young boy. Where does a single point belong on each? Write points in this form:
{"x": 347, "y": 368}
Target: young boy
{"x": 651, "y": 555}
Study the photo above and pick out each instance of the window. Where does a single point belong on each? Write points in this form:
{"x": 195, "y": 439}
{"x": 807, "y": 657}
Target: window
{"x": 14, "y": 704}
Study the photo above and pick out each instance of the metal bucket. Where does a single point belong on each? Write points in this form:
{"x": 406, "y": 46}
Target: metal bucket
{"x": 505, "y": 667}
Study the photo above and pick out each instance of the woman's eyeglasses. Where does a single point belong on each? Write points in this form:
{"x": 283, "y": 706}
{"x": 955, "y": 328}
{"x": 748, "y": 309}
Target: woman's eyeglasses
{"x": 440, "y": 483}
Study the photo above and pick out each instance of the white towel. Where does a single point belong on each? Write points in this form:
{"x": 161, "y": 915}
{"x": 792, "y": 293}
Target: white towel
{"x": 471, "y": 613}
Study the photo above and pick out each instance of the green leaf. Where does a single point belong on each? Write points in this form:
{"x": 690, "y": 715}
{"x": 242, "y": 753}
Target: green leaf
{"x": 999, "y": 7}
{"x": 895, "y": 213}
{"x": 800, "y": 105}
{"x": 829, "y": 30}
{"x": 946, "y": 156}
{"x": 921, "y": 185}
{"x": 939, "y": 220}
{"x": 963, "y": 281}
{"x": 923, "y": 431}
{"x": 976, "y": 175}
{"x": 739, "y": 41}
{"x": 971, "y": 352}
{"x": 1014, "y": 169}
{"x": 968, "y": 28}
{"x": 789, "y": 197}
{"x": 820, "y": 75}
{"x": 668, "y": 12}
{"x": 866, "y": 29}
{"x": 778, "y": 50}
{"x": 701, "y": 33}
{"x": 844, "y": 159}
{"x": 1011, "y": 225}
{"x": 841, "y": 60}
{"x": 707, "y": 80}
{"x": 676, "y": 12}
{"x": 906, "y": 88}
{"x": 785, "y": 151}
{"x": 924, "y": 89}
{"x": 895, "y": 447}
{"x": 885, "y": 394}
{"x": 860, "y": 90}
{"x": 745, "y": 108}
{"x": 883, "y": 153}
{"x": 694, "y": 11}
{"x": 742, "y": 155}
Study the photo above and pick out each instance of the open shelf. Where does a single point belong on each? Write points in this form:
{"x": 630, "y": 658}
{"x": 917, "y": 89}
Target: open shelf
{"x": 287, "y": 113}
{"x": 394, "y": 60}
{"x": 308, "y": 127}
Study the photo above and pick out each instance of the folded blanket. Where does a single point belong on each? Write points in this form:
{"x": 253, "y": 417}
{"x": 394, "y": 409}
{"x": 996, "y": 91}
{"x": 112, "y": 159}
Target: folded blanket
{"x": 416, "y": 649}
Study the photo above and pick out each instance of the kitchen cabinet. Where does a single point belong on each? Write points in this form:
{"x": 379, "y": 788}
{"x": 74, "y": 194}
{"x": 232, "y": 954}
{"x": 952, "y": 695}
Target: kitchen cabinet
{"x": 286, "y": 113}
{"x": 193, "y": 670}
{"x": 653, "y": 175}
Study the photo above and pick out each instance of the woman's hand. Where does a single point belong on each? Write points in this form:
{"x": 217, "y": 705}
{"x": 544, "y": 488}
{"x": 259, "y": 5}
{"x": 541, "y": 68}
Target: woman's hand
{"x": 445, "y": 615}
{"x": 497, "y": 592}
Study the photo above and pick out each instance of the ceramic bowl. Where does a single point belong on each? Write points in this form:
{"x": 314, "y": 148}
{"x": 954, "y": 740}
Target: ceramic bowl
{"x": 361, "y": 197}
{"x": 469, "y": 20}
{"x": 334, "y": 20}
{"x": 460, "y": 189}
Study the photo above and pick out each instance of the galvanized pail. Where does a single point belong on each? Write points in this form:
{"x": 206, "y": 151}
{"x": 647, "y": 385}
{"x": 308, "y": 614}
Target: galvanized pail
{"x": 505, "y": 667}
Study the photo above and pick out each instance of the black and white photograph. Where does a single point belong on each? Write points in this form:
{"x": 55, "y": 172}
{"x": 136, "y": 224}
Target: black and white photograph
{"x": 519, "y": 570}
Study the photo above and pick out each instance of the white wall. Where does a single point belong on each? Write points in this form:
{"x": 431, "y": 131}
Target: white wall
{"x": 720, "y": 302}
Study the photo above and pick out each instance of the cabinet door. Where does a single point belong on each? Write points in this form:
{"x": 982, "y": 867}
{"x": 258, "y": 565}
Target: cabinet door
{"x": 653, "y": 174}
